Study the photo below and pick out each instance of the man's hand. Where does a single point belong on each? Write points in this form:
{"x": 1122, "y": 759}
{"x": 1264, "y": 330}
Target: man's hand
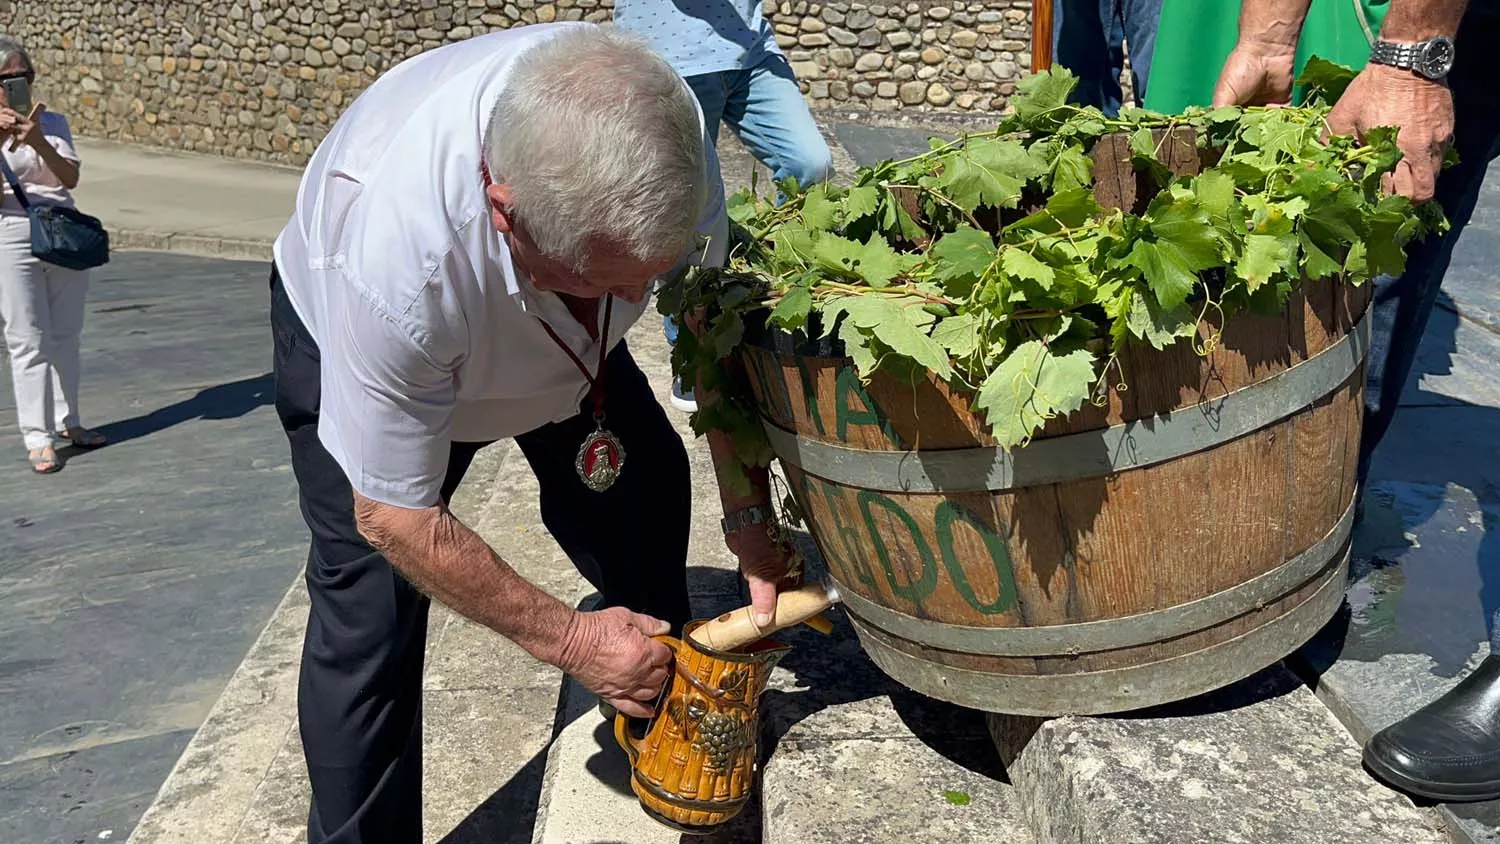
{"x": 611, "y": 653}
{"x": 764, "y": 563}
{"x": 1420, "y": 108}
{"x": 1257, "y": 73}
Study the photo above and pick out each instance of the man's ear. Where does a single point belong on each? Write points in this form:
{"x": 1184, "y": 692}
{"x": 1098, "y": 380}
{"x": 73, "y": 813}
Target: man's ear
{"x": 502, "y": 212}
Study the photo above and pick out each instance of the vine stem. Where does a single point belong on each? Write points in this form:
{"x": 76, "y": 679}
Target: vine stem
{"x": 974, "y": 221}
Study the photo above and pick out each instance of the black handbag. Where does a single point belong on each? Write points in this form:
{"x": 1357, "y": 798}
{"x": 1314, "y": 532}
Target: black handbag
{"x": 62, "y": 236}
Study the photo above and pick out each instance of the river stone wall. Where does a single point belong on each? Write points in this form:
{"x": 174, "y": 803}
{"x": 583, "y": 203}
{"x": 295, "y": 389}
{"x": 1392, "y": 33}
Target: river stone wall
{"x": 265, "y": 79}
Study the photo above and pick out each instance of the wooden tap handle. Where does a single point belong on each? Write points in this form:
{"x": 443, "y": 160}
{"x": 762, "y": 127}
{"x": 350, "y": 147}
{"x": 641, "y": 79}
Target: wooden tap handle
{"x": 735, "y": 629}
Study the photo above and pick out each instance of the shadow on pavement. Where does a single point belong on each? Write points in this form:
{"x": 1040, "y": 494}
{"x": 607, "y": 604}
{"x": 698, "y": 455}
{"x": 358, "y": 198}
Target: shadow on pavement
{"x": 223, "y": 401}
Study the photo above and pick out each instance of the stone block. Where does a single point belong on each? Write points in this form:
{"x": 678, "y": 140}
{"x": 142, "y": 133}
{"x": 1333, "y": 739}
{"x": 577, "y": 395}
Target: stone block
{"x": 842, "y": 37}
{"x": 1262, "y": 760}
{"x": 806, "y": 70}
{"x": 913, "y": 93}
{"x": 845, "y": 792}
{"x": 868, "y": 62}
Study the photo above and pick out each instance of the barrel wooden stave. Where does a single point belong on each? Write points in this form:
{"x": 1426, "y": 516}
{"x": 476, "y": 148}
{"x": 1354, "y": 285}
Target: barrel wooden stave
{"x": 1098, "y": 548}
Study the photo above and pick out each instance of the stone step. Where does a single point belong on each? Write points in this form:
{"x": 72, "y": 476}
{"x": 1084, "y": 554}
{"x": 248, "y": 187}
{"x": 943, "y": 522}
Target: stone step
{"x": 847, "y": 757}
{"x": 1262, "y": 760}
{"x": 854, "y": 758}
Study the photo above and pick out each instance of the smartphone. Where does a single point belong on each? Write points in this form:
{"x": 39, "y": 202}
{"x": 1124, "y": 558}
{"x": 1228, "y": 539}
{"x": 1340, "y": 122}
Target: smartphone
{"x": 18, "y": 94}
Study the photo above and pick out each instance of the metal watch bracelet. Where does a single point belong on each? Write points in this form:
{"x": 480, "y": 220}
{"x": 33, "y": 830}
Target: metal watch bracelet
{"x": 755, "y": 514}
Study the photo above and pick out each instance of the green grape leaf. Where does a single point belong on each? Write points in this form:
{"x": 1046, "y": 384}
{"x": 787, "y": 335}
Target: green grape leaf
{"x": 1023, "y": 265}
{"x": 901, "y": 329}
{"x": 1142, "y": 145}
{"x": 1315, "y": 262}
{"x": 792, "y": 244}
{"x": 874, "y": 263}
{"x": 1031, "y": 386}
{"x": 958, "y": 334}
{"x": 1265, "y": 256}
{"x": 962, "y": 256}
{"x": 791, "y": 312}
{"x": 989, "y": 172}
{"x": 857, "y": 347}
{"x": 1170, "y": 275}
{"x": 1321, "y": 77}
{"x": 741, "y": 206}
{"x": 1072, "y": 169}
{"x": 1039, "y": 95}
{"x": 819, "y": 211}
{"x": 861, "y": 202}
{"x": 1066, "y": 209}
{"x": 1215, "y": 192}
{"x": 1183, "y": 244}
{"x": 727, "y": 333}
{"x": 1161, "y": 328}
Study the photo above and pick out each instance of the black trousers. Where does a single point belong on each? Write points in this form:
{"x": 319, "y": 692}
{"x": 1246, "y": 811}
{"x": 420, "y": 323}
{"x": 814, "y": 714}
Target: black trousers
{"x": 360, "y": 689}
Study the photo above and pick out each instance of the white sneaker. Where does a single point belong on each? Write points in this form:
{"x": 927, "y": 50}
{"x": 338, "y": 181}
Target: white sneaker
{"x": 683, "y": 399}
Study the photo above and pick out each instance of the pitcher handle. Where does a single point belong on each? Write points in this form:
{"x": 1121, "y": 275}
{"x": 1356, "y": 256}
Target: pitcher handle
{"x": 627, "y": 742}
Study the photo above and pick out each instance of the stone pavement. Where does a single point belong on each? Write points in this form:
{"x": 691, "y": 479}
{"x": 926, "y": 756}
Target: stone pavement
{"x": 1418, "y": 604}
{"x": 134, "y": 580}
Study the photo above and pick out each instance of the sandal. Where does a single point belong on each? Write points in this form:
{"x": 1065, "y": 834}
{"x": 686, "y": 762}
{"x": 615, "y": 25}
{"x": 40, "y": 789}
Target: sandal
{"x": 84, "y": 438}
{"x": 44, "y": 460}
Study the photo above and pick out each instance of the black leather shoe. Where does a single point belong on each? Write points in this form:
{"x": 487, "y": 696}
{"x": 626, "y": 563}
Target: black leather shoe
{"x": 1449, "y": 750}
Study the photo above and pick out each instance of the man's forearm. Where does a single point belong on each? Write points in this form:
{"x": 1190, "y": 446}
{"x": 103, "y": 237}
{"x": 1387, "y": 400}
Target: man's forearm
{"x": 1409, "y": 21}
{"x": 448, "y": 561}
{"x": 1273, "y": 21}
{"x": 726, "y": 462}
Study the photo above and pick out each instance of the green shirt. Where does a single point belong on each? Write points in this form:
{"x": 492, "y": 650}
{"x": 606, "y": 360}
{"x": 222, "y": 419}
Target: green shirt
{"x": 1195, "y": 38}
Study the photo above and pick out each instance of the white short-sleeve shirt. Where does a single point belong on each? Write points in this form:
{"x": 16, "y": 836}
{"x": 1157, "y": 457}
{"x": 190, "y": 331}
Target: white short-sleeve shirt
{"x": 41, "y": 185}
{"x": 427, "y": 333}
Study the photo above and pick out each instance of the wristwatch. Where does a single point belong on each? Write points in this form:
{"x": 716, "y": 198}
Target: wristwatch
{"x": 756, "y": 514}
{"x": 1432, "y": 58}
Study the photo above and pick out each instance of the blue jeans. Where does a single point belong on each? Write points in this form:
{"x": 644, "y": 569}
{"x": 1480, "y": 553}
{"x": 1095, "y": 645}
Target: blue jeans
{"x": 1402, "y": 305}
{"x": 1089, "y": 37}
{"x": 764, "y": 107}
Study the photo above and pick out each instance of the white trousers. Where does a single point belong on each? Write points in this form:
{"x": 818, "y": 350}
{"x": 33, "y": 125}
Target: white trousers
{"x": 42, "y": 307}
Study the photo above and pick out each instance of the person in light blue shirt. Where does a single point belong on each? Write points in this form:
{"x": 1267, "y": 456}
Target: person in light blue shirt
{"x": 727, "y": 52}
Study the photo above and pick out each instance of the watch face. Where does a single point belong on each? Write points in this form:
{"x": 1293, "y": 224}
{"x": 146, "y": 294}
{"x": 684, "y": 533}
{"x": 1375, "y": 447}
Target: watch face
{"x": 1436, "y": 58}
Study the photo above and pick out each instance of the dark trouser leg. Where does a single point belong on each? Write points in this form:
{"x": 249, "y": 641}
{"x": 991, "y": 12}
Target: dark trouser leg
{"x": 1139, "y": 20}
{"x": 629, "y": 541}
{"x": 1446, "y": 750}
{"x": 1081, "y": 43}
{"x": 1401, "y": 306}
{"x": 360, "y": 693}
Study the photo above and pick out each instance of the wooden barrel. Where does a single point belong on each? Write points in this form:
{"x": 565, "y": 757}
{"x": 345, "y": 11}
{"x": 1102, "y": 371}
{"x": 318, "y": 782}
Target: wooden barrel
{"x": 1189, "y": 533}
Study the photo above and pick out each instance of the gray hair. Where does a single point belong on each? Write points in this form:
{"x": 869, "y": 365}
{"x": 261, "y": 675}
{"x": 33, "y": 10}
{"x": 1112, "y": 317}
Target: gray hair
{"x": 599, "y": 140}
{"x": 11, "y": 47}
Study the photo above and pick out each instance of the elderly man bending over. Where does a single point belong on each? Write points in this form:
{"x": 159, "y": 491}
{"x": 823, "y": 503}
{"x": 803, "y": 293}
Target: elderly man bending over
{"x": 470, "y": 243}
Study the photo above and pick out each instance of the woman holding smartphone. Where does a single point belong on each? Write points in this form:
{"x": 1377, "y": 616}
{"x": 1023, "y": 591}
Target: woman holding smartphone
{"x": 41, "y": 304}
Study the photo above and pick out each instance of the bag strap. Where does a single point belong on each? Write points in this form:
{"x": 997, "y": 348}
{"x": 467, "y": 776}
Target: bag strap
{"x": 15, "y": 185}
